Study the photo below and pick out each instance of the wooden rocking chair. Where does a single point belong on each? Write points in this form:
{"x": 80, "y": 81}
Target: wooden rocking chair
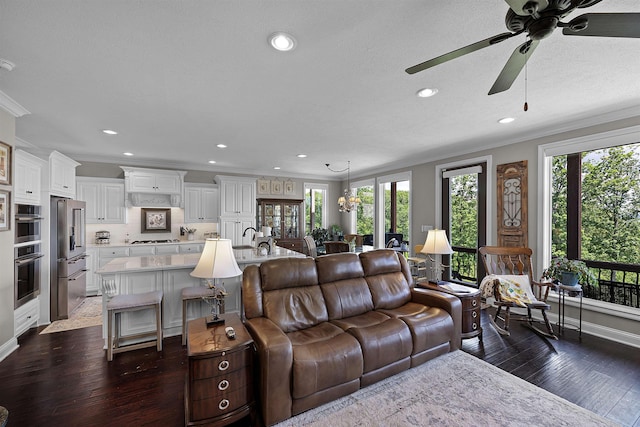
{"x": 515, "y": 265}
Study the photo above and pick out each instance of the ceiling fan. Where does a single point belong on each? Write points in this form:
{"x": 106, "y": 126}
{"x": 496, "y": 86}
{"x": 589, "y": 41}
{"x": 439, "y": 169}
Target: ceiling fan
{"x": 538, "y": 19}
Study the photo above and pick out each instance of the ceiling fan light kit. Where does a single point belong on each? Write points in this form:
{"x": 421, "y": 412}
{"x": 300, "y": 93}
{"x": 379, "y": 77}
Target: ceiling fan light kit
{"x": 538, "y": 19}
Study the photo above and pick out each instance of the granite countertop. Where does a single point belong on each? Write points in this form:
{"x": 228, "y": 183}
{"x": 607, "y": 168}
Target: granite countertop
{"x": 178, "y": 261}
{"x": 128, "y": 245}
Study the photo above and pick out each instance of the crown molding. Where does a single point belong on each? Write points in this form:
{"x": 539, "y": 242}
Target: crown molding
{"x": 11, "y": 106}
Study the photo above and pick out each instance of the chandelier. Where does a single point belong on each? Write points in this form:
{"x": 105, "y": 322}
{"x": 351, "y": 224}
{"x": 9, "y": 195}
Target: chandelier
{"x": 349, "y": 200}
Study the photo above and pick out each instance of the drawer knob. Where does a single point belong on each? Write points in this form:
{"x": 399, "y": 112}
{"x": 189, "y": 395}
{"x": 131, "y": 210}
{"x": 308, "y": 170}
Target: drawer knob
{"x": 223, "y": 366}
{"x": 223, "y": 385}
{"x": 475, "y": 314}
{"x": 474, "y": 302}
{"x": 475, "y": 326}
{"x": 224, "y": 404}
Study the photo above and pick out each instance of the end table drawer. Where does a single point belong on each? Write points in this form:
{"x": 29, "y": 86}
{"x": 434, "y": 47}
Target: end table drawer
{"x": 471, "y": 321}
{"x": 470, "y": 303}
{"x": 209, "y": 387}
{"x": 221, "y": 404}
{"x": 220, "y": 365}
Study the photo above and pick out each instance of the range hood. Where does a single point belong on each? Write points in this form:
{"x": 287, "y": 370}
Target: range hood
{"x": 147, "y": 200}
{"x": 153, "y": 188}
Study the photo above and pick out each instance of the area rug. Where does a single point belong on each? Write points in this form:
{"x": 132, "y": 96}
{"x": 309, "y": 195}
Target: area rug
{"x": 88, "y": 313}
{"x": 456, "y": 389}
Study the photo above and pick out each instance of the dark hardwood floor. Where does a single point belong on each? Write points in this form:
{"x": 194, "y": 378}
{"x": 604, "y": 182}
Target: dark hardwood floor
{"x": 64, "y": 378}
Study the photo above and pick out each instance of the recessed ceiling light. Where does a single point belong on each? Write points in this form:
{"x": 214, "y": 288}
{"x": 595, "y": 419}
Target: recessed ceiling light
{"x": 277, "y": 168}
{"x": 282, "y": 41}
{"x": 302, "y": 156}
{"x": 426, "y": 92}
{"x": 506, "y": 120}
{"x": 212, "y": 161}
{"x": 128, "y": 154}
{"x": 109, "y": 132}
{"x": 221, "y": 146}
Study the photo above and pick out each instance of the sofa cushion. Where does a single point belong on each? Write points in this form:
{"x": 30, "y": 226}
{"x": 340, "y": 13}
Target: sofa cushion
{"x": 429, "y": 326}
{"x": 384, "y": 275}
{"x": 324, "y": 356}
{"x": 346, "y": 298}
{"x": 335, "y": 267}
{"x": 384, "y": 343}
{"x": 364, "y": 320}
{"x": 288, "y": 273}
{"x": 293, "y": 309}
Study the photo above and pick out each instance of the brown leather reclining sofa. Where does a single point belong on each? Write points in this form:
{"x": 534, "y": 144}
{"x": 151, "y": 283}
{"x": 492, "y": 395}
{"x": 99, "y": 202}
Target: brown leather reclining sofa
{"x": 325, "y": 327}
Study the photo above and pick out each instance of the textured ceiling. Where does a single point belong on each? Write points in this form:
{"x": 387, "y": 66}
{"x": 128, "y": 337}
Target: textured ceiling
{"x": 177, "y": 77}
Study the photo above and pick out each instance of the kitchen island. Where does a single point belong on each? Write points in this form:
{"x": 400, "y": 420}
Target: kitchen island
{"x": 170, "y": 274}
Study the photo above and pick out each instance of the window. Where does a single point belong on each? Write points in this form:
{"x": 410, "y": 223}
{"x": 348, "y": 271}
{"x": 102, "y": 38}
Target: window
{"x": 590, "y": 210}
{"x": 366, "y": 210}
{"x": 315, "y": 215}
{"x": 394, "y": 208}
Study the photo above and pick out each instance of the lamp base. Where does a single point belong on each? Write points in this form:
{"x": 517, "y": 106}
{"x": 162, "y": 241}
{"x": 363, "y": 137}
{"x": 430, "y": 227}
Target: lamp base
{"x": 214, "y": 320}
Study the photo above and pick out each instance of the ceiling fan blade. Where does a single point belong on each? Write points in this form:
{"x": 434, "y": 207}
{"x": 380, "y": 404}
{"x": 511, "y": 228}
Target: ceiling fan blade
{"x": 459, "y": 52}
{"x": 518, "y": 6}
{"x": 513, "y": 66}
{"x": 608, "y": 25}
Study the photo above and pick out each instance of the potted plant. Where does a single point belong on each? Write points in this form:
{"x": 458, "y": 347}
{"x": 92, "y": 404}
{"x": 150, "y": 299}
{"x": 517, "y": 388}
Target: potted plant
{"x": 336, "y": 232}
{"x": 569, "y": 272}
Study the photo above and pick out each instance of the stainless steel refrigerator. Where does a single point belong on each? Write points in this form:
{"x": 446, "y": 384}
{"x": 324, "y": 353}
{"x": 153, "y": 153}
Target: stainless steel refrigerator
{"x": 68, "y": 256}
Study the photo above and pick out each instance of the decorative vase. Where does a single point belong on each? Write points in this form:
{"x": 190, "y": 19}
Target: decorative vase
{"x": 569, "y": 278}
{"x": 190, "y": 236}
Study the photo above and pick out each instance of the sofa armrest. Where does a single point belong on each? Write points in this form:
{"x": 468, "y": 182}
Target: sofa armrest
{"x": 450, "y": 303}
{"x": 275, "y": 355}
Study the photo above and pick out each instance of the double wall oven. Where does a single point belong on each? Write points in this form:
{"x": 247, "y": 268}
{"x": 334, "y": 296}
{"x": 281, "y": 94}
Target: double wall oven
{"x": 27, "y": 253}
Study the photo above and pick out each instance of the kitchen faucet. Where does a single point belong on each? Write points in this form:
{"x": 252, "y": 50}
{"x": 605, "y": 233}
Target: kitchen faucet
{"x": 244, "y": 233}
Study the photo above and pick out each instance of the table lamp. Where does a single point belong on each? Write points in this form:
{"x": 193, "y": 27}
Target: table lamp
{"x": 216, "y": 262}
{"x": 436, "y": 244}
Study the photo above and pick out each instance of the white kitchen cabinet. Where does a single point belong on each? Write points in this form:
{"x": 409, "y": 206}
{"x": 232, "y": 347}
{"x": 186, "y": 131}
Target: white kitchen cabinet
{"x": 104, "y": 198}
{"x": 28, "y": 172}
{"x": 93, "y": 279}
{"x": 26, "y": 316}
{"x": 62, "y": 175}
{"x": 232, "y": 228}
{"x": 237, "y": 196}
{"x": 194, "y": 248}
{"x": 167, "y": 249}
{"x": 139, "y": 180}
{"x": 201, "y": 203}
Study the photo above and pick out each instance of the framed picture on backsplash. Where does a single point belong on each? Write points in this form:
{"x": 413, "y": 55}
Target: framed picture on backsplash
{"x": 276, "y": 187}
{"x": 155, "y": 220}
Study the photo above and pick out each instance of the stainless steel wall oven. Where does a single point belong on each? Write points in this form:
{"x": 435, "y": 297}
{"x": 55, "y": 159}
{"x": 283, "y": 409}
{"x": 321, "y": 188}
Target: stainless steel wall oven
{"x": 28, "y": 223}
{"x": 27, "y": 273}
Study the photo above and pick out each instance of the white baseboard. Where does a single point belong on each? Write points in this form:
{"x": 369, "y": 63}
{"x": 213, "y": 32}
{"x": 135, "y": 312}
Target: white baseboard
{"x": 7, "y": 348}
{"x": 600, "y": 331}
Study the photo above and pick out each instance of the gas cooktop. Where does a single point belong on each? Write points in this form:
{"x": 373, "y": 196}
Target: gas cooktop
{"x": 140, "y": 242}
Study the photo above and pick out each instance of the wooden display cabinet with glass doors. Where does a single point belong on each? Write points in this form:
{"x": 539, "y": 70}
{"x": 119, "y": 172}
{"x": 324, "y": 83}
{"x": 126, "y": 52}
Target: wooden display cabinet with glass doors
{"x": 286, "y": 219}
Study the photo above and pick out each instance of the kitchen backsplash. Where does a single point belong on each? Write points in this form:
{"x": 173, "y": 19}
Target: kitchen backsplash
{"x": 133, "y": 228}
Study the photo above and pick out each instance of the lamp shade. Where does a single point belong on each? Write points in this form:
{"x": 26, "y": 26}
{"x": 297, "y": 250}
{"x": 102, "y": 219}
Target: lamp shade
{"x": 217, "y": 261}
{"x": 437, "y": 243}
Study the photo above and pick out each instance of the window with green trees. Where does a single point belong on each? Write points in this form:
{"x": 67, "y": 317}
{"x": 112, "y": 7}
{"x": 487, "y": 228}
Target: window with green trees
{"x": 365, "y": 210}
{"x": 610, "y": 205}
{"x": 314, "y": 204}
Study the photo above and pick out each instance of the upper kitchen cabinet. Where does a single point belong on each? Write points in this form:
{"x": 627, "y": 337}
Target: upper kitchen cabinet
{"x": 237, "y": 196}
{"x": 153, "y": 187}
{"x": 62, "y": 175}
{"x": 201, "y": 203}
{"x": 28, "y": 173}
{"x": 104, "y": 198}
{"x": 153, "y": 180}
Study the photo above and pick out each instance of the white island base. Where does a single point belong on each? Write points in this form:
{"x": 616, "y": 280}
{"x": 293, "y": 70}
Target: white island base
{"x": 170, "y": 274}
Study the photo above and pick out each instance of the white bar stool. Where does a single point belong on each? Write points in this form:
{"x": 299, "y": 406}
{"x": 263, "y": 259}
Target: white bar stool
{"x": 133, "y": 302}
{"x": 191, "y": 294}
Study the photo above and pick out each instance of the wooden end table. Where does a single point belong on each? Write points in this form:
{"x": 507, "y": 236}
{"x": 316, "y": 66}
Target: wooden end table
{"x": 470, "y": 299}
{"x": 219, "y": 385}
